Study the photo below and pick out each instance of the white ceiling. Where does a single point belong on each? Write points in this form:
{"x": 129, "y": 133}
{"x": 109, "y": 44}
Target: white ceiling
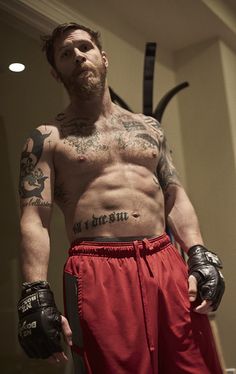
{"x": 173, "y": 24}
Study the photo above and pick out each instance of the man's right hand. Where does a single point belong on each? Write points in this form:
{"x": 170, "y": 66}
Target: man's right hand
{"x": 40, "y": 322}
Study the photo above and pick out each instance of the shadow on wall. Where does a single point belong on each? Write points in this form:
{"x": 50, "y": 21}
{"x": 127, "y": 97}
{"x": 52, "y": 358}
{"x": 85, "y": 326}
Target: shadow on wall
{"x": 9, "y": 274}
{"x": 8, "y": 222}
{"x": 12, "y": 360}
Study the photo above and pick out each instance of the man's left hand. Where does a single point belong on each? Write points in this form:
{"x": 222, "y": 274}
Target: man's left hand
{"x": 205, "y": 279}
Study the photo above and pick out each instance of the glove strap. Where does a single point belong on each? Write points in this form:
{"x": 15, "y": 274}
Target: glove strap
{"x": 29, "y": 287}
{"x": 210, "y": 257}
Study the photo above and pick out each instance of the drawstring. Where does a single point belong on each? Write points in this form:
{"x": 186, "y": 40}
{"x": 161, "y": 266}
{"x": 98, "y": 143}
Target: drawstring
{"x": 143, "y": 292}
{"x": 148, "y": 245}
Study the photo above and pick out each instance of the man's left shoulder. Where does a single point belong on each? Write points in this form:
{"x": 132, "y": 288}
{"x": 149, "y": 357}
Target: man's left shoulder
{"x": 150, "y": 121}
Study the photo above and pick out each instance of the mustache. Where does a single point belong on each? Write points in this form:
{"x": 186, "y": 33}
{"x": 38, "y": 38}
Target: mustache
{"x": 80, "y": 69}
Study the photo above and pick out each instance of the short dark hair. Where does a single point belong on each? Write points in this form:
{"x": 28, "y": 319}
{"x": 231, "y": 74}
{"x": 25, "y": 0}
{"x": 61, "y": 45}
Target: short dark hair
{"x": 49, "y": 40}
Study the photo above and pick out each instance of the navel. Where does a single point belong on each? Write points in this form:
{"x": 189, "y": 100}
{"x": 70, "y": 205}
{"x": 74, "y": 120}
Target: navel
{"x": 135, "y": 215}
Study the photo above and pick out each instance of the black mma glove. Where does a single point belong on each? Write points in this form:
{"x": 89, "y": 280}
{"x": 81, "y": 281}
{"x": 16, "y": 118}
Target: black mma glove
{"x": 39, "y": 321}
{"x": 204, "y": 265}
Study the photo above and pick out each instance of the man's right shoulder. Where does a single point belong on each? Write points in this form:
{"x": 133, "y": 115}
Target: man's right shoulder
{"x": 41, "y": 139}
{"x": 50, "y": 128}
{"x": 45, "y": 130}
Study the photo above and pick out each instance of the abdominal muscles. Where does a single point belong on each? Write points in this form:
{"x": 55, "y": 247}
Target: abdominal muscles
{"x": 122, "y": 201}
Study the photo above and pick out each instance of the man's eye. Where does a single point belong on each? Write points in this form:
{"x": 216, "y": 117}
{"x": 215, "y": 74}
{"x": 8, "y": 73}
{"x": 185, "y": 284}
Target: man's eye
{"x": 84, "y": 47}
{"x": 66, "y": 53}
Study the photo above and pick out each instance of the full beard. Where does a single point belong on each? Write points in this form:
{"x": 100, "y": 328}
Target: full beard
{"x": 86, "y": 85}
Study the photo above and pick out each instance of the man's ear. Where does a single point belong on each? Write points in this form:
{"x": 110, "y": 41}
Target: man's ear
{"x": 104, "y": 57}
{"x": 55, "y": 75}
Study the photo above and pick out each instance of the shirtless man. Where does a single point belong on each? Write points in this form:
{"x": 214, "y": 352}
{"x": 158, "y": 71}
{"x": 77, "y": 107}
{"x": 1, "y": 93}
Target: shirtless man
{"x": 131, "y": 303}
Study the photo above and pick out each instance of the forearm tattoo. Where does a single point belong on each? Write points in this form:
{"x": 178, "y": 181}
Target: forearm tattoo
{"x": 32, "y": 178}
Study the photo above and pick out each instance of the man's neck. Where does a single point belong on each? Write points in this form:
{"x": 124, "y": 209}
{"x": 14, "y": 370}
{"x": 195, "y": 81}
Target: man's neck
{"x": 91, "y": 108}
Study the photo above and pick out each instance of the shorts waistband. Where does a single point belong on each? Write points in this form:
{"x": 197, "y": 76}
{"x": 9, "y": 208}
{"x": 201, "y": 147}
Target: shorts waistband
{"x": 119, "y": 248}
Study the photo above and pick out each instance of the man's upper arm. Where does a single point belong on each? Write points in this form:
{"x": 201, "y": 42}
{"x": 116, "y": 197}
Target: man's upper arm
{"x": 166, "y": 171}
{"x": 37, "y": 175}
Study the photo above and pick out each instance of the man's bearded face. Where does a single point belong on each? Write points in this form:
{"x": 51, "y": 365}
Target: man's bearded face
{"x": 84, "y": 82}
{"x": 80, "y": 65}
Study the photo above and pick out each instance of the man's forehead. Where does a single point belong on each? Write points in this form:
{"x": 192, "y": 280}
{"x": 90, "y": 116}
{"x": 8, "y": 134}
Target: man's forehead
{"x": 72, "y": 35}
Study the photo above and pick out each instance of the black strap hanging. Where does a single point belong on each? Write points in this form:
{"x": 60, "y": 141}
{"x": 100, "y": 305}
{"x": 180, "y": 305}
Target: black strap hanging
{"x": 148, "y": 73}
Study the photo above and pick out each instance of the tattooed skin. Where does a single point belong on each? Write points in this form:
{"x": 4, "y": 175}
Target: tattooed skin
{"x": 166, "y": 171}
{"x": 152, "y": 122}
{"x": 99, "y": 221}
{"x": 59, "y": 194}
{"x": 76, "y": 127}
{"x": 145, "y": 140}
{"x": 144, "y": 134}
{"x": 130, "y": 126}
{"x": 32, "y": 178}
{"x": 37, "y": 202}
{"x": 83, "y": 135}
{"x": 149, "y": 139}
{"x": 81, "y": 145}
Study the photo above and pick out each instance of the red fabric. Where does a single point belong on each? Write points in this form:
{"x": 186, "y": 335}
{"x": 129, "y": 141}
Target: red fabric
{"x": 134, "y": 310}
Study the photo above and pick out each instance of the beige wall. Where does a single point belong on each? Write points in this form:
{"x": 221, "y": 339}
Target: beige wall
{"x": 228, "y": 314}
{"x": 228, "y": 65}
{"x": 206, "y": 111}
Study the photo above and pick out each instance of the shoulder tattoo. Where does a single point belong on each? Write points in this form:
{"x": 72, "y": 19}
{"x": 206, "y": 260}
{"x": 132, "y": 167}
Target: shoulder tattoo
{"x": 32, "y": 178}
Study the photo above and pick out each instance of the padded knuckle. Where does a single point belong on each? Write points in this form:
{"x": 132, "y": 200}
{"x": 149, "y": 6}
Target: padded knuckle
{"x": 39, "y": 324}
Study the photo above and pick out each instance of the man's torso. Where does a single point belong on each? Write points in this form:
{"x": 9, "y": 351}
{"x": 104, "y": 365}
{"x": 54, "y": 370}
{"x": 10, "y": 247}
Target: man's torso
{"x": 105, "y": 175}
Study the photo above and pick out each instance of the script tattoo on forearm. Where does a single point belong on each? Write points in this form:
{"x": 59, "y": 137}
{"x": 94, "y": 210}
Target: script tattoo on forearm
{"x": 95, "y": 221}
{"x": 32, "y": 178}
{"x": 37, "y": 202}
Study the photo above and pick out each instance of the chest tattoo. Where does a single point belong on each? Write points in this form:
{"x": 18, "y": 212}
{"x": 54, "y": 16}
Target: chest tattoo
{"x": 123, "y": 132}
{"x": 85, "y": 144}
{"x": 149, "y": 140}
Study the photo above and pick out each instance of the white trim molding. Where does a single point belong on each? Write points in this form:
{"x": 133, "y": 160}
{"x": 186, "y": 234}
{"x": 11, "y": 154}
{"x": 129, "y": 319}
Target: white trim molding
{"x": 42, "y": 15}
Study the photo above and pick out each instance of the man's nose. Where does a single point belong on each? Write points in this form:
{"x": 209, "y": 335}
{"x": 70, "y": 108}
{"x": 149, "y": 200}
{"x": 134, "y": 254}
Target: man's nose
{"x": 79, "y": 56}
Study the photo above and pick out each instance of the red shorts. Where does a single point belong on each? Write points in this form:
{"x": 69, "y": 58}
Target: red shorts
{"x": 128, "y": 308}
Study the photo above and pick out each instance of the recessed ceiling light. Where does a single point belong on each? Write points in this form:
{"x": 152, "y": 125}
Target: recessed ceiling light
{"x": 16, "y": 67}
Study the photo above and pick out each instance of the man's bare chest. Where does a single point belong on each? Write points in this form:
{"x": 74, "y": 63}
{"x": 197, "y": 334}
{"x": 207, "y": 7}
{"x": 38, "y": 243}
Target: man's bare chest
{"x": 127, "y": 140}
